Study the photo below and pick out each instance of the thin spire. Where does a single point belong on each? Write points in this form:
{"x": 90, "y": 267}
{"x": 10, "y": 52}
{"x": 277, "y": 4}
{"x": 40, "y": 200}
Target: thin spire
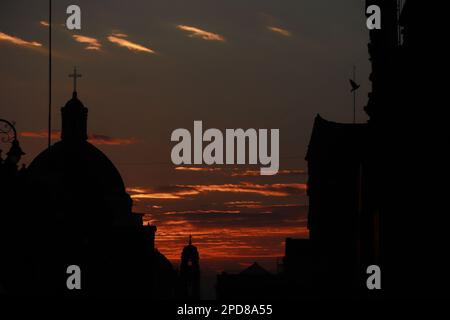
{"x": 49, "y": 73}
{"x": 354, "y": 95}
{"x": 190, "y": 239}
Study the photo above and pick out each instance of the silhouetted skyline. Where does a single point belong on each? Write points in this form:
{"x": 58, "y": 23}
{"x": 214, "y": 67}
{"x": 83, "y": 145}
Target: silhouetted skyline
{"x": 261, "y": 65}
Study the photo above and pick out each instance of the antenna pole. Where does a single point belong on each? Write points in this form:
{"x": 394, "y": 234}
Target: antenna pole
{"x": 354, "y": 96}
{"x": 49, "y": 73}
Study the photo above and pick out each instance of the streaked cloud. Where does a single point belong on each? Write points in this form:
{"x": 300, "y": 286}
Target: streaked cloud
{"x": 18, "y": 41}
{"x": 204, "y": 212}
{"x": 44, "y": 23}
{"x": 161, "y": 193}
{"x": 253, "y": 173}
{"x": 184, "y": 191}
{"x": 100, "y": 139}
{"x": 202, "y": 34}
{"x": 120, "y": 35}
{"x": 250, "y": 205}
{"x": 274, "y": 190}
{"x": 118, "y": 40}
{"x": 238, "y": 172}
{"x": 248, "y": 227}
{"x": 91, "y": 43}
{"x": 40, "y": 134}
{"x": 222, "y": 233}
{"x": 219, "y": 242}
{"x": 237, "y": 203}
{"x": 280, "y": 31}
{"x": 94, "y": 138}
{"x": 198, "y": 169}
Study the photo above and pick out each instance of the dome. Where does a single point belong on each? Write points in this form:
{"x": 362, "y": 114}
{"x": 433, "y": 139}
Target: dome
{"x": 74, "y": 183}
{"x": 81, "y": 183}
{"x": 82, "y": 163}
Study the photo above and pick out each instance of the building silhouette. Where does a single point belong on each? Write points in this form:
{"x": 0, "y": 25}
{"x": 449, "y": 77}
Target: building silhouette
{"x": 190, "y": 272}
{"x": 13, "y": 254}
{"x": 345, "y": 164}
{"x": 343, "y": 223}
{"x": 362, "y": 176}
{"x": 406, "y": 135}
{"x": 252, "y": 283}
{"x": 77, "y": 212}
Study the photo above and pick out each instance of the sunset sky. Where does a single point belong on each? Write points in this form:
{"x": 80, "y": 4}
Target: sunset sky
{"x": 150, "y": 67}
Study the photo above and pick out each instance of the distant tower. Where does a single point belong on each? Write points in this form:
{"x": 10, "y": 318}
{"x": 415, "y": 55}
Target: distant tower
{"x": 190, "y": 272}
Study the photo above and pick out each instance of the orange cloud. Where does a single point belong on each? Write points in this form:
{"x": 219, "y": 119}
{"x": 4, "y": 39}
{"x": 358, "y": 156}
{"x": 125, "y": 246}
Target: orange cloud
{"x": 114, "y": 38}
{"x": 280, "y": 31}
{"x": 234, "y": 203}
{"x": 235, "y": 188}
{"x": 92, "y": 43}
{"x": 147, "y": 193}
{"x": 197, "y": 169}
{"x": 250, "y": 205}
{"x": 183, "y": 191}
{"x": 120, "y": 35}
{"x": 40, "y": 134}
{"x": 18, "y": 41}
{"x": 94, "y": 138}
{"x": 44, "y": 23}
{"x": 225, "y": 242}
{"x": 99, "y": 139}
{"x": 275, "y": 190}
{"x": 238, "y": 172}
{"x": 156, "y": 195}
{"x": 203, "y": 211}
{"x": 254, "y": 173}
{"x": 202, "y": 34}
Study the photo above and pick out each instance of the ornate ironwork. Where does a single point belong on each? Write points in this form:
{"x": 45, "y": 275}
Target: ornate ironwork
{"x": 8, "y": 132}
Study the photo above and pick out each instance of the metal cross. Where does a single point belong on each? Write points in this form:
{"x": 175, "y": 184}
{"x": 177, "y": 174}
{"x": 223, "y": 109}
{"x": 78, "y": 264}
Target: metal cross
{"x": 75, "y": 75}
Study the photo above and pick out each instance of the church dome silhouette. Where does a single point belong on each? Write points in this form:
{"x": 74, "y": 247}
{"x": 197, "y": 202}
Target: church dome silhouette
{"x": 92, "y": 167}
{"x": 77, "y": 212}
{"x": 82, "y": 184}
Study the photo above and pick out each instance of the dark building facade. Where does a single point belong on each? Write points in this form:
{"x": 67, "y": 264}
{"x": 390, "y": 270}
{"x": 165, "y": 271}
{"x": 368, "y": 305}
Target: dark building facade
{"x": 363, "y": 185}
{"x": 405, "y": 136}
{"x": 342, "y": 221}
{"x": 297, "y": 272}
{"x": 348, "y": 167}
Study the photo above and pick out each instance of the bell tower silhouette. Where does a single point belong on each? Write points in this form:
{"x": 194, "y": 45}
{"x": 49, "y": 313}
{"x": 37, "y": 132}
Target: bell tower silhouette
{"x": 190, "y": 272}
{"x": 74, "y": 116}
